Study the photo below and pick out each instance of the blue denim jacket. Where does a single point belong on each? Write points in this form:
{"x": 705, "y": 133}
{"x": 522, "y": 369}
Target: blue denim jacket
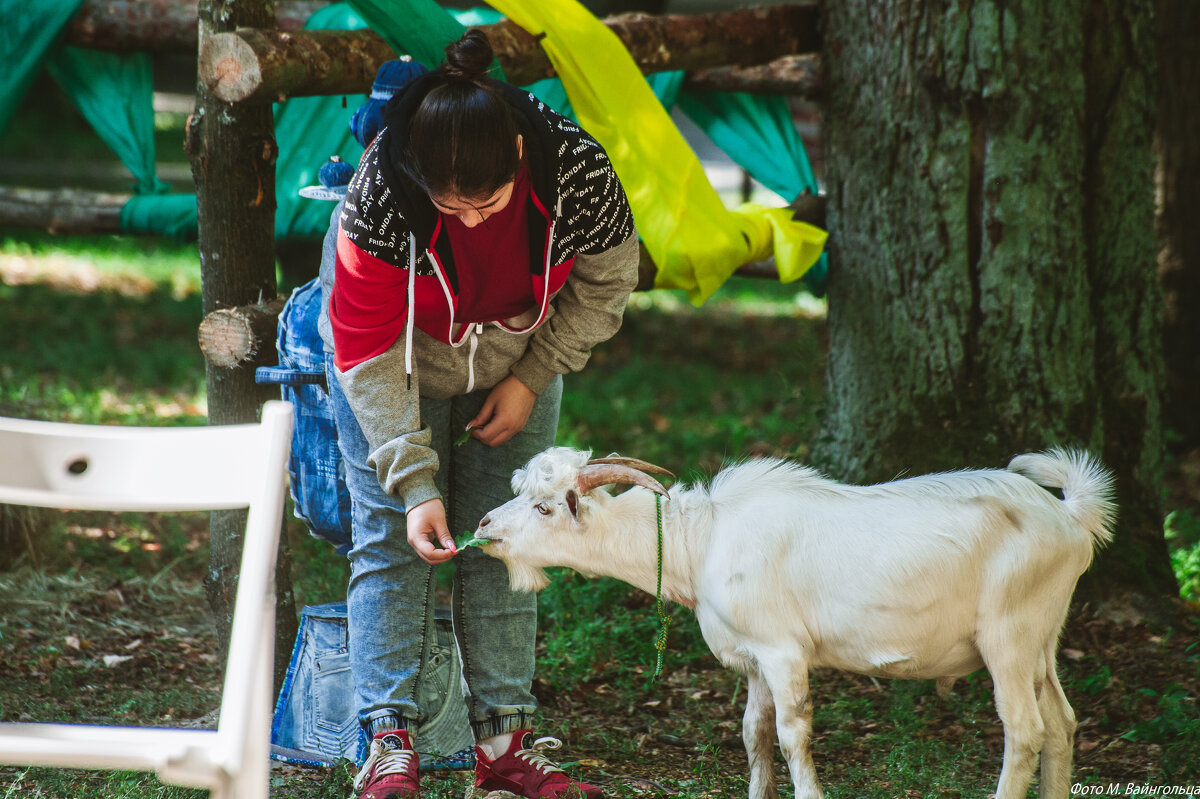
{"x": 318, "y": 476}
{"x": 316, "y": 721}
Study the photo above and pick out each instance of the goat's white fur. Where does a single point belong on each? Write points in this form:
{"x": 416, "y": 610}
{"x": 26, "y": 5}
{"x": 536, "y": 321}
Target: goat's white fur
{"x": 927, "y": 577}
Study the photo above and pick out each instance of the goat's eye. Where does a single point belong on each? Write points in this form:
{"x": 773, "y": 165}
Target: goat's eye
{"x": 542, "y": 508}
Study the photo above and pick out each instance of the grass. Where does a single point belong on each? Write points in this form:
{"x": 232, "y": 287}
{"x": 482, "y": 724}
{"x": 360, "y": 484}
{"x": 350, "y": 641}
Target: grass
{"x": 102, "y": 330}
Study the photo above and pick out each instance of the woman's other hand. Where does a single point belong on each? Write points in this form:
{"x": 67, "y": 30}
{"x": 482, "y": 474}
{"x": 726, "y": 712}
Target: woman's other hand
{"x": 504, "y": 412}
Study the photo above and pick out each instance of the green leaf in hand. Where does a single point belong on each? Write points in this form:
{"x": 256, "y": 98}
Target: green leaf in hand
{"x": 463, "y": 438}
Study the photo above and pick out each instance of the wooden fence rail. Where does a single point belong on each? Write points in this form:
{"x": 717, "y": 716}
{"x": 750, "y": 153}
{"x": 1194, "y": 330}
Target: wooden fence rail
{"x": 262, "y": 66}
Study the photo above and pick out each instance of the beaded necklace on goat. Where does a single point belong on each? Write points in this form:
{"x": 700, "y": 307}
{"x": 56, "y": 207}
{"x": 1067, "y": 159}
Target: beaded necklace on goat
{"x": 664, "y": 621}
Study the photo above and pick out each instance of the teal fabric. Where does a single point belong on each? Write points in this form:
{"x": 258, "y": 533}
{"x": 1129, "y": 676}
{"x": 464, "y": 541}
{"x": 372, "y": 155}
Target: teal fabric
{"x": 419, "y": 28}
{"x": 308, "y": 130}
{"x": 116, "y": 95}
{"x": 26, "y": 36}
{"x": 758, "y": 134}
{"x": 171, "y": 215}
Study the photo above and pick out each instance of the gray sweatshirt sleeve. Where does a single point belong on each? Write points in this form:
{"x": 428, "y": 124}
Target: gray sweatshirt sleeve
{"x": 589, "y": 309}
{"x": 383, "y": 404}
{"x": 378, "y": 394}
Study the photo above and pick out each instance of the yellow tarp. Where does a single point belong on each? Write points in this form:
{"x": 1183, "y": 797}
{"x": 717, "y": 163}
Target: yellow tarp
{"x": 695, "y": 241}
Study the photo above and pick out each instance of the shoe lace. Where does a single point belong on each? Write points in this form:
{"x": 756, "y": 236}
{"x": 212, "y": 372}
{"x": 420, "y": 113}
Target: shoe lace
{"x": 385, "y": 758}
{"x": 534, "y": 754}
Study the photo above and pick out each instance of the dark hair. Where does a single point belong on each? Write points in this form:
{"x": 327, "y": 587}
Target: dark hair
{"x": 463, "y": 137}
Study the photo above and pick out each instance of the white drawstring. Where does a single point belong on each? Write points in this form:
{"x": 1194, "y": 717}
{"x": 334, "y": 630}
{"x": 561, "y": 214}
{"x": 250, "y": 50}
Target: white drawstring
{"x": 412, "y": 295}
{"x": 478, "y": 328}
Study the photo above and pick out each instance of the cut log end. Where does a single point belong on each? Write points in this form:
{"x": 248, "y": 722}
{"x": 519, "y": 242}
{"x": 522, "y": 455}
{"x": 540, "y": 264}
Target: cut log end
{"x": 231, "y": 67}
{"x": 231, "y": 337}
{"x": 226, "y": 338}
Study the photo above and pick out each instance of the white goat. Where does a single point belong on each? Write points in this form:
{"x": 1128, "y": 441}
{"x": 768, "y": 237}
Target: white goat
{"x": 927, "y": 577}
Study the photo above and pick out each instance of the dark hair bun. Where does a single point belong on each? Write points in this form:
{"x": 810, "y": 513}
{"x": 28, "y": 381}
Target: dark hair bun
{"x": 470, "y": 57}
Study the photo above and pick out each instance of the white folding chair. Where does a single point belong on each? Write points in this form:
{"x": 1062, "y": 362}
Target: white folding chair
{"x": 94, "y": 467}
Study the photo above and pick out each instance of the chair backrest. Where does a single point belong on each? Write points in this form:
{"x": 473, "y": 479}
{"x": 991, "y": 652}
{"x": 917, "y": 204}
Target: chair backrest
{"x": 98, "y": 467}
{"x": 95, "y": 467}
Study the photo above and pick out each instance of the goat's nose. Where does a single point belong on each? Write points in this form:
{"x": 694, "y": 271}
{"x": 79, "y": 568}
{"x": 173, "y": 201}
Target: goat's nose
{"x": 485, "y": 521}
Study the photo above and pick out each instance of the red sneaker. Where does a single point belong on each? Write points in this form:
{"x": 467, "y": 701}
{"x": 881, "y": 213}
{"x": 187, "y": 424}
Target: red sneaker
{"x": 392, "y": 770}
{"x": 524, "y": 770}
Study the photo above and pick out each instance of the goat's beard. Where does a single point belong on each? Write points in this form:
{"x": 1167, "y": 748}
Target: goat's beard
{"x": 526, "y": 578}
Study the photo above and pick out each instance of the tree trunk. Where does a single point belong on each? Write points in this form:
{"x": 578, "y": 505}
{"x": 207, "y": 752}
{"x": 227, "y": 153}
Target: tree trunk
{"x": 990, "y": 209}
{"x": 264, "y": 66}
{"x": 232, "y": 151}
{"x": 129, "y": 26}
{"x": 1178, "y": 147}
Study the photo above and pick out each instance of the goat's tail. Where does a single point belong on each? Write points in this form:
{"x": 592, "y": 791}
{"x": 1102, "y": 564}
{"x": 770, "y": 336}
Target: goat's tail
{"x": 1086, "y": 485}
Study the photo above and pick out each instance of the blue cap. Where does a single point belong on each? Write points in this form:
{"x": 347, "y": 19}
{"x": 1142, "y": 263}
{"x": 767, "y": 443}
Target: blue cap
{"x": 393, "y": 77}
{"x": 334, "y": 176}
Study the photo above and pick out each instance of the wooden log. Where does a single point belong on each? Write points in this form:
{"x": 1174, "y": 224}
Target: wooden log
{"x": 262, "y": 66}
{"x": 61, "y": 210}
{"x": 234, "y": 336}
{"x": 125, "y": 26}
{"x": 798, "y": 75}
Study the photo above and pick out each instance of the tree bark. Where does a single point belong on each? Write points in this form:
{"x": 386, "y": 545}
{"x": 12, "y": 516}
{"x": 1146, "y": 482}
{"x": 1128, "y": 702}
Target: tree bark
{"x": 990, "y": 211}
{"x": 264, "y": 66}
{"x": 232, "y": 151}
{"x": 128, "y": 26}
{"x": 61, "y": 211}
{"x": 1177, "y": 145}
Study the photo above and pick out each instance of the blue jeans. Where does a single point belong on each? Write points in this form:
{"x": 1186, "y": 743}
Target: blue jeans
{"x": 391, "y": 594}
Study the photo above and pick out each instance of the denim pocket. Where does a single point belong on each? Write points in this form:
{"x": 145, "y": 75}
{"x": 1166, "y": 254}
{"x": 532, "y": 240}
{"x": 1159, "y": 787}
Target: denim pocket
{"x": 335, "y": 722}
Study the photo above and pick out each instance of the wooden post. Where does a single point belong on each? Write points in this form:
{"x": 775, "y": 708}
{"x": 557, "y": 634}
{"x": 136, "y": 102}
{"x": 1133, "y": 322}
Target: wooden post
{"x": 232, "y": 151}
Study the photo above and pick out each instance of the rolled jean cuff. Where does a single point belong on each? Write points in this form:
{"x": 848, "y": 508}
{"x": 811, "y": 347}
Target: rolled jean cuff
{"x": 510, "y": 720}
{"x": 386, "y": 721}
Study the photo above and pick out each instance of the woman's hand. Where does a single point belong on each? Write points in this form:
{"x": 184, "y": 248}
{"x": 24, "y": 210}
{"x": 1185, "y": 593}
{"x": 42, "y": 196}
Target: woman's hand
{"x": 504, "y": 412}
{"x": 427, "y": 529}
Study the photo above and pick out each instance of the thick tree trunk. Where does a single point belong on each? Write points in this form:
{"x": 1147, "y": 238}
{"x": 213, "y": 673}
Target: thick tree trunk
{"x": 1178, "y": 147}
{"x": 129, "y": 26}
{"x": 990, "y": 208}
{"x": 232, "y": 151}
{"x": 264, "y": 66}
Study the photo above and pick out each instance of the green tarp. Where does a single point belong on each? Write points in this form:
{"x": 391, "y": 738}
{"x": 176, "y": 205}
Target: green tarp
{"x": 26, "y": 36}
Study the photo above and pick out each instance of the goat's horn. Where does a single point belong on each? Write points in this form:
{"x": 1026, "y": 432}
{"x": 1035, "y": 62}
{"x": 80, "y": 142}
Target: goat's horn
{"x": 632, "y": 463}
{"x": 594, "y": 475}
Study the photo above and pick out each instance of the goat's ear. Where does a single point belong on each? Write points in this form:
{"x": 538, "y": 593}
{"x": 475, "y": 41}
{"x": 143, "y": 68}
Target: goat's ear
{"x": 573, "y": 503}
